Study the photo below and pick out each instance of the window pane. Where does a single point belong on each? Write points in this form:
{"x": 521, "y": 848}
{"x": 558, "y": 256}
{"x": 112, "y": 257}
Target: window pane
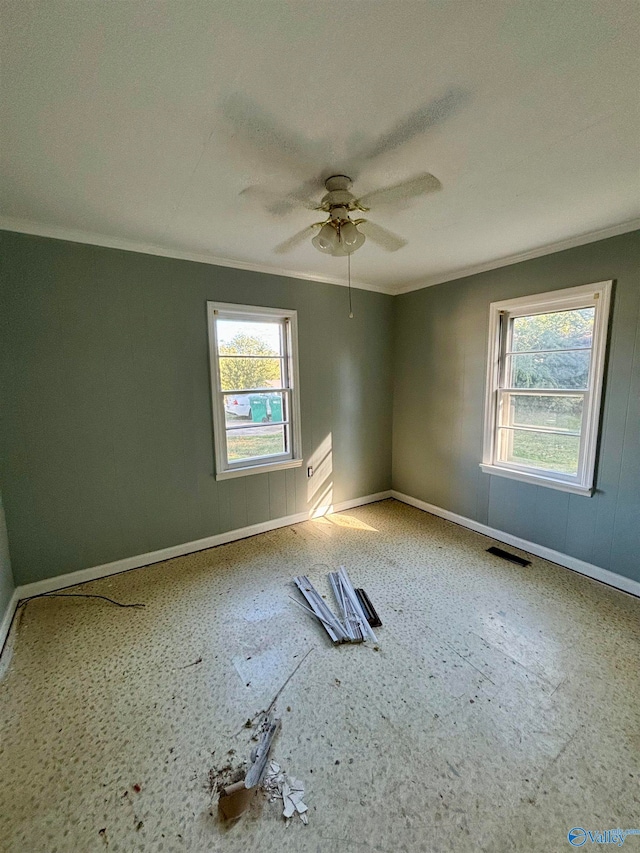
{"x": 239, "y": 373}
{"x": 540, "y": 450}
{"x": 237, "y": 408}
{"x": 550, "y": 370}
{"x": 557, "y": 330}
{"x": 243, "y": 337}
{"x": 554, "y": 412}
{"x": 276, "y": 407}
{"x": 255, "y": 408}
{"x": 257, "y": 441}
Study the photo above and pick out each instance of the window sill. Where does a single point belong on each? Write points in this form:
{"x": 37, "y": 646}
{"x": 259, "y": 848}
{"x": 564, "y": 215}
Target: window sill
{"x": 258, "y": 469}
{"x": 537, "y": 480}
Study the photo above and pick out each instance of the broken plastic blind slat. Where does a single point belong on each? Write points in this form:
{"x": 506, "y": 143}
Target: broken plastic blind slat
{"x": 334, "y": 580}
{"x": 280, "y": 786}
{"x": 331, "y": 624}
{"x": 351, "y": 616}
{"x": 310, "y": 611}
{"x": 350, "y": 591}
{"x": 343, "y": 600}
{"x": 322, "y": 606}
{"x": 354, "y": 621}
{"x": 354, "y": 625}
{"x": 360, "y": 626}
{"x": 325, "y": 611}
{"x": 336, "y": 593}
{"x": 307, "y": 590}
{"x": 257, "y": 769}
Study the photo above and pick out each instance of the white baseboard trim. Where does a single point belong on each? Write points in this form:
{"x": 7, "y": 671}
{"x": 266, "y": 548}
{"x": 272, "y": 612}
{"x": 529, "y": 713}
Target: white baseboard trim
{"x": 7, "y": 618}
{"x": 325, "y": 509}
{"x": 124, "y": 565}
{"x": 568, "y": 562}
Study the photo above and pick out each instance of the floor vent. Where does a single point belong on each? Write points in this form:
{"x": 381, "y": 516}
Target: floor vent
{"x": 505, "y": 555}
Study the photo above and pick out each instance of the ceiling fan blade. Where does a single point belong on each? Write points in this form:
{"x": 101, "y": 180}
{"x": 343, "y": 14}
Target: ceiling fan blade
{"x": 256, "y": 134}
{"x": 379, "y": 235}
{"x": 264, "y": 197}
{"x": 279, "y": 204}
{"x": 295, "y": 241}
{"x": 417, "y": 122}
{"x": 405, "y": 190}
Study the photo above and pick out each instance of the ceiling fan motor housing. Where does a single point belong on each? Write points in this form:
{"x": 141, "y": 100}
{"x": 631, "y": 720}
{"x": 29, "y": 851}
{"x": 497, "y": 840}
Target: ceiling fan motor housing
{"x": 337, "y": 197}
{"x": 338, "y": 194}
{"x": 338, "y": 182}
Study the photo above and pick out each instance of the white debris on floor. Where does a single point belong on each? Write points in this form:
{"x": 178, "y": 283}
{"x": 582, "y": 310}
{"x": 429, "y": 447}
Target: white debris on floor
{"x": 280, "y": 786}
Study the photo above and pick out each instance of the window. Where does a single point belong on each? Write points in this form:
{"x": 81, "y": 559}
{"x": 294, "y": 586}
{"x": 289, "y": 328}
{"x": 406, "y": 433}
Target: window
{"x": 254, "y": 378}
{"x": 544, "y": 382}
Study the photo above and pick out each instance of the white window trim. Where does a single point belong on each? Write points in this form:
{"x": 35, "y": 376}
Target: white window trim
{"x": 597, "y": 295}
{"x": 293, "y": 459}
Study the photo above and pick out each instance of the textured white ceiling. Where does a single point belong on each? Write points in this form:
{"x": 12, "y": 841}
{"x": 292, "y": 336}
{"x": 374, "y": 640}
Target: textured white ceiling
{"x": 142, "y": 122}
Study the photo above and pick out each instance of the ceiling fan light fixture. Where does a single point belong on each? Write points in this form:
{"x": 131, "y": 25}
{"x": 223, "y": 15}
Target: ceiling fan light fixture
{"x": 353, "y": 241}
{"x": 349, "y": 234}
{"x": 327, "y": 239}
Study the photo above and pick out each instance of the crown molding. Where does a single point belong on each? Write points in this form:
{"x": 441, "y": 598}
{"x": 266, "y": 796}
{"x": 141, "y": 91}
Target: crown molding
{"x": 540, "y": 251}
{"x": 38, "y": 229}
{"x": 24, "y": 226}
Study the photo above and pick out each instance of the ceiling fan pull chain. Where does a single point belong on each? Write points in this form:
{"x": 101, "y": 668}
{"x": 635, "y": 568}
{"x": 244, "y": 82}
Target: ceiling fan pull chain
{"x": 349, "y": 276}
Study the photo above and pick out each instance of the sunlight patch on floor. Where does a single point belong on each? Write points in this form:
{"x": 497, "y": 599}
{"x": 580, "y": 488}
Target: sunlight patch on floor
{"x": 343, "y": 520}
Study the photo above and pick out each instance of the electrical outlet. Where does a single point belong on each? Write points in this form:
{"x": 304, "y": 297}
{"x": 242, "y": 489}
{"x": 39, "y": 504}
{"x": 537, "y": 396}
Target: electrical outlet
{"x": 310, "y": 471}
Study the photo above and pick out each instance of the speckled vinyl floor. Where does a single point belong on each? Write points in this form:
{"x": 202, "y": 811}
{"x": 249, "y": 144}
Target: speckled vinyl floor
{"x": 502, "y": 708}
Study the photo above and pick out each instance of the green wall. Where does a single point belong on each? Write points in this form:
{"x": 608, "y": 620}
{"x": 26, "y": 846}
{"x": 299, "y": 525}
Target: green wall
{"x": 440, "y": 357}
{"x": 106, "y": 444}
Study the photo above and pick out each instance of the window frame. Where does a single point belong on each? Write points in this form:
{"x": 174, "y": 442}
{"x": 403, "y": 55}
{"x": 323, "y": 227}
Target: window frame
{"x": 597, "y": 296}
{"x": 224, "y": 469}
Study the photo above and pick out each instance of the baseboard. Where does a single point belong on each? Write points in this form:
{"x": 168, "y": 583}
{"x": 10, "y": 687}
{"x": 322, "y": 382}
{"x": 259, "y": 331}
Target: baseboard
{"x": 136, "y": 562}
{"x": 7, "y": 618}
{"x": 568, "y": 562}
{"x": 118, "y": 566}
{"x": 324, "y": 509}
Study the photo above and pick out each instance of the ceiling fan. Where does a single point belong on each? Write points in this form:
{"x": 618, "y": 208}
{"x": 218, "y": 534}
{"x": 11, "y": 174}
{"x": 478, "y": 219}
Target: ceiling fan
{"x": 254, "y": 135}
{"x": 341, "y": 235}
